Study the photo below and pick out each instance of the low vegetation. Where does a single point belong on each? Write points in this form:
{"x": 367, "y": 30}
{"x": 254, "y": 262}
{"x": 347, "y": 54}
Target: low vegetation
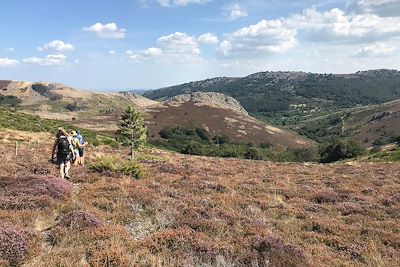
{"x": 109, "y": 164}
{"x": 10, "y": 119}
{"x": 196, "y": 141}
{"x": 198, "y": 211}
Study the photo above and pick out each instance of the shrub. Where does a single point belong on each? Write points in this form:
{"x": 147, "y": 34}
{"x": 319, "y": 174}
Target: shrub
{"x": 72, "y": 106}
{"x": 79, "y": 220}
{"x": 221, "y": 139}
{"x": 327, "y": 196}
{"x": 306, "y": 154}
{"x": 253, "y": 153}
{"x": 16, "y": 244}
{"x": 193, "y": 148}
{"x": 132, "y": 169}
{"x": 113, "y": 164}
{"x": 273, "y": 250}
{"x": 341, "y": 149}
{"x": 266, "y": 145}
{"x": 32, "y": 191}
{"x": 203, "y": 134}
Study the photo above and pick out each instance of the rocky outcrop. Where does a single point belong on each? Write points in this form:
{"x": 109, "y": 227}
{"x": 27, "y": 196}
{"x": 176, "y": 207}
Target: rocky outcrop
{"x": 138, "y": 100}
{"x": 211, "y": 99}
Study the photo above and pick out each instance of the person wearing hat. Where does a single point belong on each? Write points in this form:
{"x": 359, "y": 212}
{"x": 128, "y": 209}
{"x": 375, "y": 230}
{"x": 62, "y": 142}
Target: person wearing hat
{"x": 63, "y": 152}
{"x": 75, "y": 145}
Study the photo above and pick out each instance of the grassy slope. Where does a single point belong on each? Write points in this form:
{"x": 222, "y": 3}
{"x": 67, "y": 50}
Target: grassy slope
{"x": 14, "y": 120}
{"x": 366, "y": 124}
{"x": 193, "y": 210}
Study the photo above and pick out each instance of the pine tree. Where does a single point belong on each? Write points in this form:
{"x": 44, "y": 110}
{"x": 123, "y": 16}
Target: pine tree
{"x": 132, "y": 130}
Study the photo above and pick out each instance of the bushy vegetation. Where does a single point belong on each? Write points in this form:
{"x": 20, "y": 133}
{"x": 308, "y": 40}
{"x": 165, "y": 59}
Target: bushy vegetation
{"x": 16, "y": 244}
{"x": 32, "y": 192}
{"x": 113, "y": 164}
{"x": 341, "y": 149}
{"x": 196, "y": 141}
{"x": 46, "y": 91}
{"x": 9, "y": 101}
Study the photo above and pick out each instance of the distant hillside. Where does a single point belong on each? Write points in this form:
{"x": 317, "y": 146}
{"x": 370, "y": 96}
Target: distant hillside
{"x": 91, "y": 110}
{"x": 218, "y": 115}
{"x": 283, "y": 97}
{"x": 370, "y": 125}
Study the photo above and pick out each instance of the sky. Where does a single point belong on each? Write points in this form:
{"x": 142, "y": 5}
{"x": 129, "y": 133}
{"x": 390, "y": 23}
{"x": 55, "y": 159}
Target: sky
{"x": 148, "y": 44}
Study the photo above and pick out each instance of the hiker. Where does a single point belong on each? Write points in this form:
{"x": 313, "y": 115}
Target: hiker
{"x": 75, "y": 145}
{"x": 81, "y": 148}
{"x": 63, "y": 153}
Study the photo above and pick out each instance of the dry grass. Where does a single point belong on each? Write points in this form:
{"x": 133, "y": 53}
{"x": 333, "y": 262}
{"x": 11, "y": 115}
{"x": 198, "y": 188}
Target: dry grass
{"x": 197, "y": 211}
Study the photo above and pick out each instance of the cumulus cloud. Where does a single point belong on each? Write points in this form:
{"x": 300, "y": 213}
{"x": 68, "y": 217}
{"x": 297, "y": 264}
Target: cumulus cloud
{"x": 153, "y": 52}
{"x": 375, "y": 50}
{"x": 56, "y": 45}
{"x": 7, "y": 62}
{"x": 49, "y": 60}
{"x": 106, "y": 31}
{"x": 208, "y": 38}
{"x": 10, "y": 49}
{"x": 261, "y": 39}
{"x": 112, "y": 52}
{"x": 384, "y": 8}
{"x": 337, "y": 26}
{"x": 234, "y": 12}
{"x": 177, "y": 47}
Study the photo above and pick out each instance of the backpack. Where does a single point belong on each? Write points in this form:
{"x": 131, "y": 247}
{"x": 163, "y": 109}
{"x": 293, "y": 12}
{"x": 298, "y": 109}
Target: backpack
{"x": 80, "y": 139}
{"x": 63, "y": 146}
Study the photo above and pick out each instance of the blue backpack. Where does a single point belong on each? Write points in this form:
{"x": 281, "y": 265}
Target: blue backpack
{"x": 80, "y": 139}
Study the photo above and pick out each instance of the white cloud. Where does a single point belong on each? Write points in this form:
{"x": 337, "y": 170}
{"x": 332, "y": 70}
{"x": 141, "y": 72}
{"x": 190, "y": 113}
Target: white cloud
{"x": 56, "y": 45}
{"x": 168, "y": 3}
{"x": 375, "y": 50}
{"x": 10, "y": 49}
{"x": 385, "y": 8}
{"x": 7, "y": 63}
{"x": 225, "y": 48}
{"x": 234, "y": 12}
{"x": 152, "y": 52}
{"x": 132, "y": 56}
{"x": 112, "y": 52}
{"x": 177, "y": 48}
{"x": 262, "y": 39}
{"x": 107, "y": 31}
{"x": 337, "y": 26}
{"x": 49, "y": 60}
{"x": 208, "y": 38}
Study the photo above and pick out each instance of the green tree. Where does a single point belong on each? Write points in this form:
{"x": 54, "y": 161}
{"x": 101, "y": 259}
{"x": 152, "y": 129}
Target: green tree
{"x": 132, "y": 130}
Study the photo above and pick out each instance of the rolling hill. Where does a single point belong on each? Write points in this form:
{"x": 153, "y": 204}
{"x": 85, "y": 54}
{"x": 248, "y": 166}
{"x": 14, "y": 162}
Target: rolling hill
{"x": 219, "y": 115}
{"x": 216, "y": 113}
{"x": 284, "y": 97}
{"x": 370, "y": 125}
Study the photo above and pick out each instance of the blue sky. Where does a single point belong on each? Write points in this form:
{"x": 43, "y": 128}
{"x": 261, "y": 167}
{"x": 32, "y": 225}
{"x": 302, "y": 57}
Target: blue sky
{"x": 135, "y": 44}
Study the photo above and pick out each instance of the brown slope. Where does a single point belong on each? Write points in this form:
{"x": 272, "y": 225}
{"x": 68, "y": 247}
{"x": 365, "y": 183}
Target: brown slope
{"x": 374, "y": 123}
{"x": 218, "y": 121}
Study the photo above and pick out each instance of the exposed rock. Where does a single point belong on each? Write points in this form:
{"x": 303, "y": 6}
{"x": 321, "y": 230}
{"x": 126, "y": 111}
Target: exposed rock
{"x": 211, "y": 99}
{"x": 138, "y": 100}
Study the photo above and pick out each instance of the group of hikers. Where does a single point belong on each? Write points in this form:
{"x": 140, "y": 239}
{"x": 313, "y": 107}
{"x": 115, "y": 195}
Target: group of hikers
{"x": 67, "y": 148}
